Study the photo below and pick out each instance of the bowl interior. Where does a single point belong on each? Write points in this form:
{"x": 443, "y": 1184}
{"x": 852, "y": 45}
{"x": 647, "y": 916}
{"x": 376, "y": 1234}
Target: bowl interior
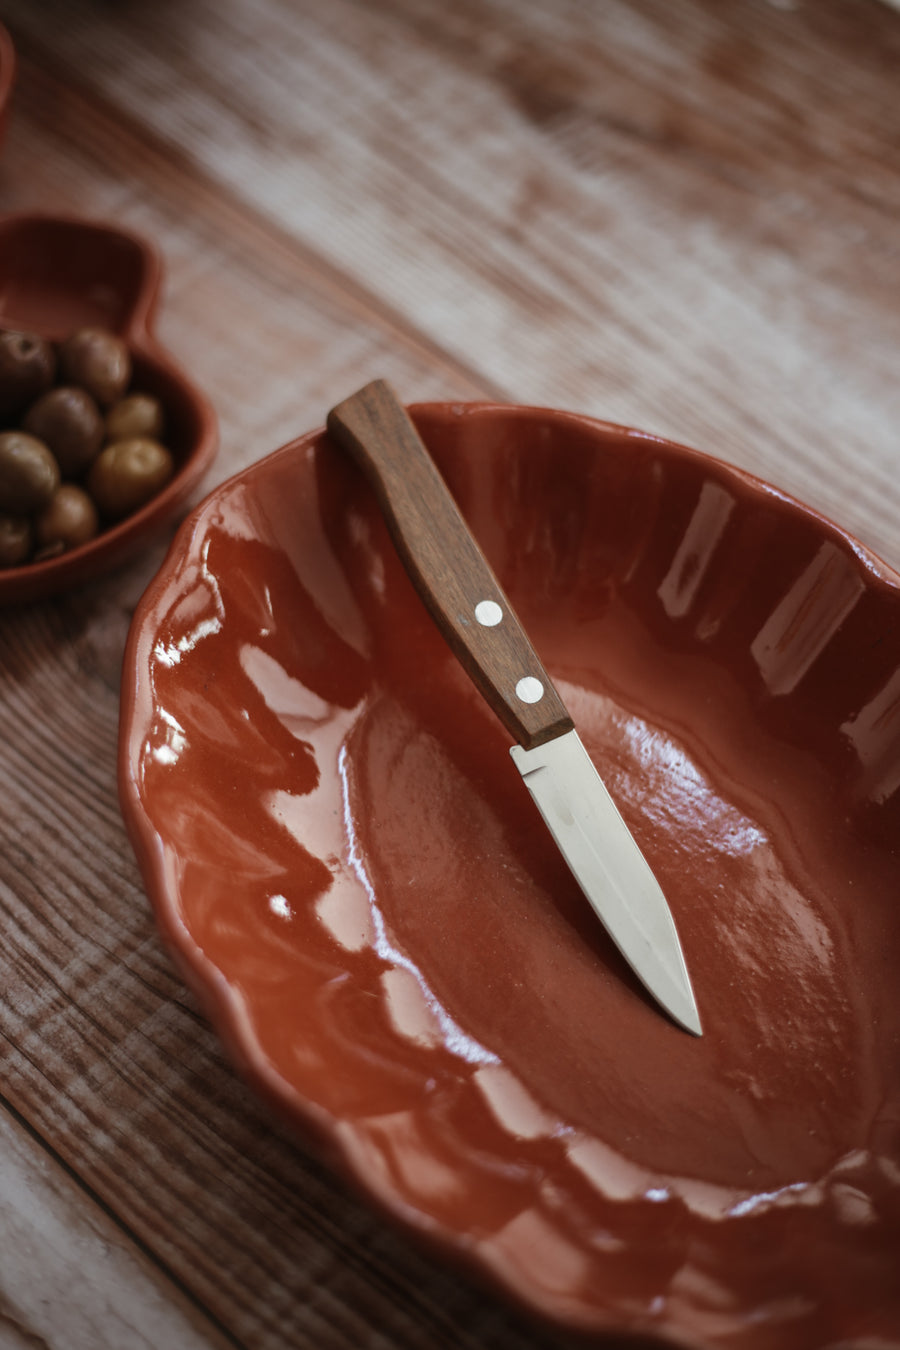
{"x": 57, "y": 275}
{"x": 352, "y": 875}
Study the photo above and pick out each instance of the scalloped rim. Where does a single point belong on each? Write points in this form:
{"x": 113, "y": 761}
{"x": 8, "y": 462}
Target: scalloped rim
{"x": 225, "y": 1008}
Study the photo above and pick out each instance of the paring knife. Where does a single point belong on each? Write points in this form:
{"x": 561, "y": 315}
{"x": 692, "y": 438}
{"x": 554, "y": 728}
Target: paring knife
{"x": 466, "y": 601}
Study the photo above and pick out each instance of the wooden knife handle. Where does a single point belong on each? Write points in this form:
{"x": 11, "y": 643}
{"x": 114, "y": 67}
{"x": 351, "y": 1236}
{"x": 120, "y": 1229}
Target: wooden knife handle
{"x": 446, "y": 566}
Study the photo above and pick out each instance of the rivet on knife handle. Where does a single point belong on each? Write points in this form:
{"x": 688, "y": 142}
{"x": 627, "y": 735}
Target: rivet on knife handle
{"x": 464, "y": 597}
{"x": 448, "y": 568}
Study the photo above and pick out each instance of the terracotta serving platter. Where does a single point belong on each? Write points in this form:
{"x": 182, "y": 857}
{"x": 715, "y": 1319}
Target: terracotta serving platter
{"x": 58, "y": 274}
{"x": 354, "y": 879}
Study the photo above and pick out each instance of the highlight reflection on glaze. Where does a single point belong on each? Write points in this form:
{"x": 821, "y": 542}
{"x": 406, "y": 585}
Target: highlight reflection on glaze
{"x": 167, "y": 748}
{"x": 689, "y": 796}
{"x": 454, "y": 1038}
{"x": 807, "y": 618}
{"x": 170, "y": 653}
{"x": 874, "y": 733}
{"x": 696, "y": 551}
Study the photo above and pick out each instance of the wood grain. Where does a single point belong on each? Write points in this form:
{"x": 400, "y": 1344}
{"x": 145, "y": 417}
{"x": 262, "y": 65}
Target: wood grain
{"x": 680, "y": 216}
{"x": 450, "y": 572}
{"x": 96, "y": 1287}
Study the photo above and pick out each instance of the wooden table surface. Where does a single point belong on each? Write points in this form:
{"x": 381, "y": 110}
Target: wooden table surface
{"x": 683, "y": 215}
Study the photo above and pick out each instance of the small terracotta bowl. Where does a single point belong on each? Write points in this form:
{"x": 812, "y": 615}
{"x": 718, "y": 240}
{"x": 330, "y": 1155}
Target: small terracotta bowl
{"x": 57, "y": 275}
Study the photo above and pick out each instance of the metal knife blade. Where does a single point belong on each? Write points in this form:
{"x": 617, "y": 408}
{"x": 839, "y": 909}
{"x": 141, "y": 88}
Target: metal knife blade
{"x": 469, "y": 606}
{"x": 610, "y": 868}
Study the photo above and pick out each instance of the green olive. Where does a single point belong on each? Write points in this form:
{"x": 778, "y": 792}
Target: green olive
{"x": 70, "y": 519}
{"x": 69, "y": 422}
{"x": 27, "y": 368}
{"x": 15, "y": 540}
{"x": 136, "y": 415}
{"x": 97, "y": 361}
{"x": 127, "y": 474}
{"x": 29, "y": 475}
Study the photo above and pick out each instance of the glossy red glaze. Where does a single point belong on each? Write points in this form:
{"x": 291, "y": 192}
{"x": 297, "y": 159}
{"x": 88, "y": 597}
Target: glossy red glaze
{"x": 57, "y": 275}
{"x": 7, "y": 78}
{"x": 353, "y": 876}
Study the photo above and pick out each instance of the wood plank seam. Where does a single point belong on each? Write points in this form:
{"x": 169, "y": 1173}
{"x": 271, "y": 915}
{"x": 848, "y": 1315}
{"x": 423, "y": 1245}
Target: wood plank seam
{"x": 133, "y": 1238}
{"x": 45, "y": 85}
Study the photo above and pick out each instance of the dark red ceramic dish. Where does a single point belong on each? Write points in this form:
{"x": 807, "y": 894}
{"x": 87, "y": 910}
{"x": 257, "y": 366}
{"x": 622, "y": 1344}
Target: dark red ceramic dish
{"x": 353, "y": 877}
{"x": 7, "y": 78}
{"x": 57, "y": 275}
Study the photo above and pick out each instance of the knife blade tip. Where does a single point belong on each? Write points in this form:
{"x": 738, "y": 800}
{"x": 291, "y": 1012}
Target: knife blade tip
{"x": 690, "y": 1021}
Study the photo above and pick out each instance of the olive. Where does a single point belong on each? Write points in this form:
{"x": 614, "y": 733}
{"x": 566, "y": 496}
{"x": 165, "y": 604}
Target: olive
{"x": 136, "y": 415}
{"x": 29, "y": 475}
{"x": 70, "y": 519}
{"x": 97, "y": 361}
{"x": 27, "y": 368}
{"x": 15, "y": 540}
{"x": 127, "y": 474}
{"x": 69, "y": 422}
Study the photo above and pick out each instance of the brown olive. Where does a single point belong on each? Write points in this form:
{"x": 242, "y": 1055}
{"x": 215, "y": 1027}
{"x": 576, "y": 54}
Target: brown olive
{"x": 27, "y": 368}
{"x": 69, "y": 422}
{"x": 127, "y": 474}
{"x": 136, "y": 415}
{"x": 29, "y": 475}
{"x": 15, "y": 540}
{"x": 97, "y": 361}
{"x": 70, "y": 519}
